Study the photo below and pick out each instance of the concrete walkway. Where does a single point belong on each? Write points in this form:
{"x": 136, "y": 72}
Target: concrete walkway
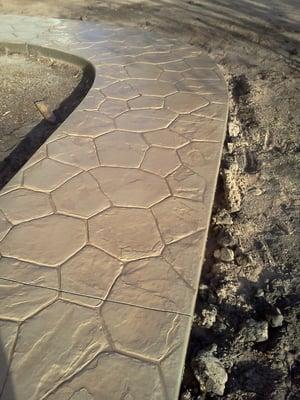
{"x": 103, "y": 230}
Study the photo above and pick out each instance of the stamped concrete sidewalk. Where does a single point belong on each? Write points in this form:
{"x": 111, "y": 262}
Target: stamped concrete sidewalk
{"x": 103, "y": 230}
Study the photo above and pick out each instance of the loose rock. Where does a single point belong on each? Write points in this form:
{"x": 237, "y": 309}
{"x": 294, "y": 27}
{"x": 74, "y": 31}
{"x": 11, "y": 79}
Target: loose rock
{"x": 255, "y": 331}
{"x": 46, "y": 112}
{"x": 225, "y": 239}
{"x": 222, "y": 217}
{"x": 186, "y": 395}
{"x": 210, "y": 373}
{"x": 224, "y": 254}
{"x": 231, "y": 188}
{"x": 233, "y": 129}
{"x": 276, "y": 318}
{"x": 209, "y": 316}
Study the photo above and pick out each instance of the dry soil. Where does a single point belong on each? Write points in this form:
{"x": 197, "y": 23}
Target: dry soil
{"x": 29, "y": 84}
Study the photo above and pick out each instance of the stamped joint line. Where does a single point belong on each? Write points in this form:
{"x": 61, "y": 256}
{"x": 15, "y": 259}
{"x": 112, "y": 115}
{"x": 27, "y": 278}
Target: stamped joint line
{"x": 102, "y": 232}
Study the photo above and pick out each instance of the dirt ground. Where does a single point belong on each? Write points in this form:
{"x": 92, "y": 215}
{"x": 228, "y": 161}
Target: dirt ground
{"x": 41, "y": 90}
{"x": 245, "y": 341}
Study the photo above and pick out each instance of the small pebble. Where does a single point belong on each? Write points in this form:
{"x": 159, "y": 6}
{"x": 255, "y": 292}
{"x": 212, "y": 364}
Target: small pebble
{"x": 225, "y": 239}
{"x": 243, "y": 260}
{"x": 224, "y": 254}
{"x": 223, "y": 218}
{"x": 260, "y": 293}
{"x": 255, "y": 331}
{"x": 46, "y": 111}
{"x": 230, "y": 147}
{"x": 255, "y": 191}
{"x": 209, "y": 316}
{"x": 276, "y": 319}
{"x": 186, "y": 396}
{"x": 210, "y": 373}
{"x": 233, "y": 129}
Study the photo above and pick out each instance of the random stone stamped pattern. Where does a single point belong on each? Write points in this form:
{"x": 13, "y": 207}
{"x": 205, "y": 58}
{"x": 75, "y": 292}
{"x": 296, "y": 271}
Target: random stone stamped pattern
{"x": 102, "y": 232}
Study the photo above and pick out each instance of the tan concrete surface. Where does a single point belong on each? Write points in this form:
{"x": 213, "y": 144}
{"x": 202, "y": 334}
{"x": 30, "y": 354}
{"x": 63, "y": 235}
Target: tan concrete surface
{"x": 103, "y": 230}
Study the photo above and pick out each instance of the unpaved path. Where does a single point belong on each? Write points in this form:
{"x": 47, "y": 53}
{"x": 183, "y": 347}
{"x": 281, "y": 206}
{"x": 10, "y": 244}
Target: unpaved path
{"x": 248, "y": 311}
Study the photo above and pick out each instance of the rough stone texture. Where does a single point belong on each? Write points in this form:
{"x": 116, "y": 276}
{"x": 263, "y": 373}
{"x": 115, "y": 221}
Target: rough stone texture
{"x": 19, "y": 302}
{"x": 25, "y": 272}
{"x": 71, "y": 336}
{"x": 152, "y": 161}
{"x": 87, "y": 198}
{"x": 91, "y": 271}
{"x": 95, "y": 383}
{"x": 155, "y": 283}
{"x": 25, "y": 205}
{"x": 56, "y": 172}
{"x": 188, "y": 217}
{"x": 131, "y": 187}
{"x": 102, "y": 232}
{"x": 76, "y": 151}
{"x": 185, "y": 103}
{"x": 126, "y": 233}
{"x": 8, "y": 334}
{"x": 121, "y": 149}
{"x": 47, "y": 240}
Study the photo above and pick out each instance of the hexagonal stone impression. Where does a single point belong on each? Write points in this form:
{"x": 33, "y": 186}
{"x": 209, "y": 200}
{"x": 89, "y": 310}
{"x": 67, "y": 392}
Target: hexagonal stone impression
{"x": 77, "y": 151}
{"x": 160, "y": 161}
{"x": 102, "y": 377}
{"x": 113, "y": 107}
{"x": 146, "y": 102}
{"x": 91, "y": 102}
{"x": 68, "y": 334}
{"x": 133, "y": 329}
{"x": 179, "y": 65}
{"x": 19, "y": 301}
{"x": 25, "y": 272}
{"x": 152, "y": 87}
{"x": 23, "y": 205}
{"x": 80, "y": 196}
{"x": 186, "y": 252}
{"x": 145, "y": 120}
{"x": 114, "y": 71}
{"x": 203, "y": 129}
{"x": 121, "y": 149}
{"x": 131, "y": 187}
{"x": 91, "y": 272}
{"x": 214, "y": 110}
{"x": 88, "y": 123}
{"x": 189, "y": 216}
{"x": 49, "y": 240}
{"x": 199, "y": 155}
{"x": 120, "y": 90}
{"x": 170, "y": 76}
{"x": 143, "y": 70}
{"x": 185, "y": 103}
{"x": 202, "y": 74}
{"x": 165, "y": 138}
{"x": 154, "y": 283}
{"x": 186, "y": 183}
{"x": 48, "y": 174}
{"x": 126, "y": 233}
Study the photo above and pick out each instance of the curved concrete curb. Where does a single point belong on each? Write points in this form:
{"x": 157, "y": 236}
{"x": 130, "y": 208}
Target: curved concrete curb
{"x": 103, "y": 230}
